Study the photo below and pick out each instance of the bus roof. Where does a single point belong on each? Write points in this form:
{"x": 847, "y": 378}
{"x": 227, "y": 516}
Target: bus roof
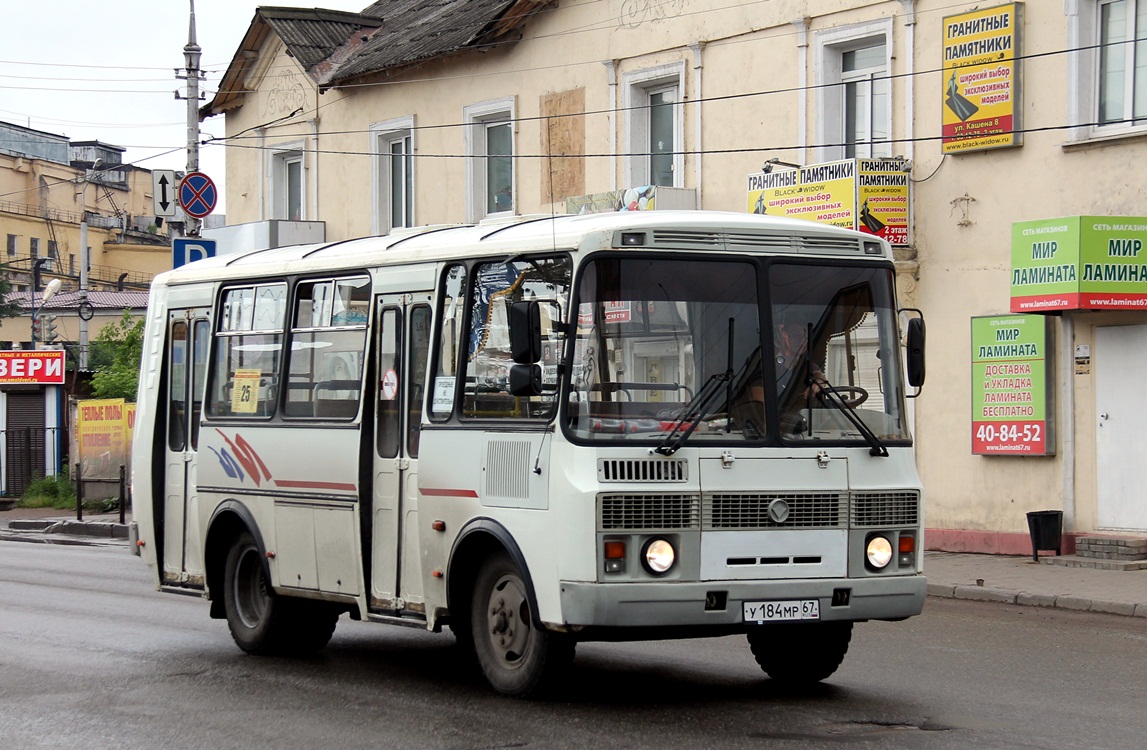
{"x": 668, "y": 230}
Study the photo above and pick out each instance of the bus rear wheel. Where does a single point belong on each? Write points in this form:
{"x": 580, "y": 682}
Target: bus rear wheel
{"x": 518, "y": 658}
{"x": 263, "y": 623}
{"x": 800, "y": 653}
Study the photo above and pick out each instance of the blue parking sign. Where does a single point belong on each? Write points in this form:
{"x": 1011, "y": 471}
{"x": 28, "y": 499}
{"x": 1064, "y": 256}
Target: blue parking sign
{"x": 190, "y": 249}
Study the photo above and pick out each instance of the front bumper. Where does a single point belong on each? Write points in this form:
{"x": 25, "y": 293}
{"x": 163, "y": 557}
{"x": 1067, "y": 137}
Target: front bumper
{"x": 683, "y": 604}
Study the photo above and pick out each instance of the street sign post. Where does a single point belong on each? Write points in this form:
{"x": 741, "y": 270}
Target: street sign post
{"x": 197, "y": 195}
{"x": 189, "y": 249}
{"x": 163, "y": 187}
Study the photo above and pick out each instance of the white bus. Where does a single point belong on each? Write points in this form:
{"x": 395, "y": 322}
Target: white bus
{"x": 539, "y": 431}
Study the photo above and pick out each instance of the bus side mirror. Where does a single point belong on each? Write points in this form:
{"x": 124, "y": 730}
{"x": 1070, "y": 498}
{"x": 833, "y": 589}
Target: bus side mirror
{"x": 525, "y": 380}
{"x": 915, "y": 342}
{"x": 526, "y": 332}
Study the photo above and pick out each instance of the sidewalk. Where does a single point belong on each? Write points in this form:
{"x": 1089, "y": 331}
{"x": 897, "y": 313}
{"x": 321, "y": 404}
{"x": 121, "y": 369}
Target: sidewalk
{"x": 1021, "y": 580}
{"x": 952, "y": 575}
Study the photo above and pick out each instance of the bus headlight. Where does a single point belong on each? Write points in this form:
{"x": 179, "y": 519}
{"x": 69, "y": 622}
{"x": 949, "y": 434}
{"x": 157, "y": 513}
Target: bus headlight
{"x": 658, "y": 556}
{"x": 879, "y": 552}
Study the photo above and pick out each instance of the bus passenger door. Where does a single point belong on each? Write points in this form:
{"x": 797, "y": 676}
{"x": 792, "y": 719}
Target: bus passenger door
{"x": 188, "y": 340}
{"x": 403, "y": 346}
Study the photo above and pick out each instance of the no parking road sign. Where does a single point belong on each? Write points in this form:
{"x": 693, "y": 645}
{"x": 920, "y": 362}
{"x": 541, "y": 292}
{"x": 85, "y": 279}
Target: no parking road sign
{"x": 197, "y": 195}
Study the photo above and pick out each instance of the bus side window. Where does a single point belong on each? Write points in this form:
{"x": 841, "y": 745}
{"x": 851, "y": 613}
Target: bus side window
{"x": 248, "y": 347}
{"x": 328, "y": 336}
{"x": 496, "y": 287}
{"x": 446, "y": 376}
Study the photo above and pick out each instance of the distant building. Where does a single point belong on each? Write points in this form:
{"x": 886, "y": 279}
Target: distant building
{"x": 52, "y": 190}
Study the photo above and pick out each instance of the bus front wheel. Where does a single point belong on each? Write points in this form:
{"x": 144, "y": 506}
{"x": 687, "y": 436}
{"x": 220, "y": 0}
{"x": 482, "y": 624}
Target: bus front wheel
{"x": 263, "y": 623}
{"x": 517, "y": 657}
{"x": 800, "y": 653}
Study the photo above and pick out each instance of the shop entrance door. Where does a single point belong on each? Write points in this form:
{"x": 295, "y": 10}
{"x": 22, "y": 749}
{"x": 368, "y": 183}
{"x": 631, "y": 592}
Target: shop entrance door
{"x": 1120, "y": 359}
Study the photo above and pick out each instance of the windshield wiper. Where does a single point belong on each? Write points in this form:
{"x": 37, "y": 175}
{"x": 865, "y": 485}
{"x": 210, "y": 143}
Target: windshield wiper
{"x": 829, "y": 394}
{"x": 693, "y": 414}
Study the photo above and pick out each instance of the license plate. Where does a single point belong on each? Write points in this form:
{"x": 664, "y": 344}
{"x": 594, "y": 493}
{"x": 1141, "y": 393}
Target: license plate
{"x": 797, "y": 609}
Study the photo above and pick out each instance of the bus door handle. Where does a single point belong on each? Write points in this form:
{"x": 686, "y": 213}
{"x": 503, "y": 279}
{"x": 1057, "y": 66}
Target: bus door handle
{"x": 402, "y": 463}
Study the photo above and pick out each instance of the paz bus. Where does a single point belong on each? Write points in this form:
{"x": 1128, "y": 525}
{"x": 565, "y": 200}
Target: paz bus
{"x": 538, "y": 431}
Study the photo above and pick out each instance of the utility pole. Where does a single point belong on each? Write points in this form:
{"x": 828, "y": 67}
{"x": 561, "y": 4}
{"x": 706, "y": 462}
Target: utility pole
{"x": 191, "y": 74}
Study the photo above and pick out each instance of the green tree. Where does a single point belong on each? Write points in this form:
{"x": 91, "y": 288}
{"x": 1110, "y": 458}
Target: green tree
{"x": 9, "y": 308}
{"x": 114, "y": 359}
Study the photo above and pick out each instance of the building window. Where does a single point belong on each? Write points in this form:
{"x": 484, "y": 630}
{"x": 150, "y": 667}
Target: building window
{"x": 1107, "y": 74}
{"x": 53, "y": 249}
{"x": 1122, "y": 63}
{"x": 12, "y": 245}
{"x": 490, "y": 146}
{"x": 854, "y": 91}
{"x": 393, "y": 174}
{"x": 655, "y": 131}
{"x": 34, "y": 247}
{"x": 288, "y": 186}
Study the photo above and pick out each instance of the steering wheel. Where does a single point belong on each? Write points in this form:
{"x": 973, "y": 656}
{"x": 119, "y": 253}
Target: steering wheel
{"x": 852, "y": 395}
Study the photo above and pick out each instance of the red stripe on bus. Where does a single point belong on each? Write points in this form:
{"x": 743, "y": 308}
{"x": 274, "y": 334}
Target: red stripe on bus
{"x": 298, "y": 484}
{"x": 447, "y": 493}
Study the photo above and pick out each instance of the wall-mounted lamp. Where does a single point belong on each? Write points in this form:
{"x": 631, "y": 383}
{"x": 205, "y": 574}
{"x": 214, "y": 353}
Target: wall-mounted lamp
{"x": 770, "y": 163}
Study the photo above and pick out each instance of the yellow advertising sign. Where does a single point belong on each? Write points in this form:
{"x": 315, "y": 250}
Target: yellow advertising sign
{"x": 869, "y": 195}
{"x": 824, "y": 193}
{"x": 101, "y": 438}
{"x": 980, "y": 99}
{"x": 245, "y": 393}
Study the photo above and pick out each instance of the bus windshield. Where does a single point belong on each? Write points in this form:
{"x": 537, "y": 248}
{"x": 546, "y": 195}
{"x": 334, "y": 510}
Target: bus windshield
{"x": 670, "y": 350}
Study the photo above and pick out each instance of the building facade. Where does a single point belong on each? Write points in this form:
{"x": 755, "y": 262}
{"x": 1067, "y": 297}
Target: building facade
{"x": 63, "y": 205}
{"x": 1000, "y": 116}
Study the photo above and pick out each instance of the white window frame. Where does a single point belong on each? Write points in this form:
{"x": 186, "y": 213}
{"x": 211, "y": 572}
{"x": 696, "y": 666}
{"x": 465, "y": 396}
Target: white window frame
{"x": 382, "y": 136}
{"x": 1083, "y": 34}
{"x": 829, "y": 48}
{"x": 281, "y": 155}
{"x": 637, "y": 88}
{"x": 477, "y": 118}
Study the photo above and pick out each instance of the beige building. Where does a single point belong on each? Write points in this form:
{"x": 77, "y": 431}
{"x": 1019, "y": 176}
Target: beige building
{"x": 415, "y": 113}
{"x": 53, "y": 191}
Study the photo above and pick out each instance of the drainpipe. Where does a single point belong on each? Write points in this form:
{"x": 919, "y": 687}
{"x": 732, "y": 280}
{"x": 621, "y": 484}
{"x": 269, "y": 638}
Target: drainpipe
{"x": 1066, "y": 409}
{"x": 698, "y": 99}
{"x": 802, "y": 86}
{"x": 314, "y": 171}
{"x": 611, "y": 80}
{"x": 910, "y": 79}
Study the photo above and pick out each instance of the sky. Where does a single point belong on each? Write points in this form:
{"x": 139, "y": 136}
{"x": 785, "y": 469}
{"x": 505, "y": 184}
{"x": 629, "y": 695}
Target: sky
{"x": 105, "y": 71}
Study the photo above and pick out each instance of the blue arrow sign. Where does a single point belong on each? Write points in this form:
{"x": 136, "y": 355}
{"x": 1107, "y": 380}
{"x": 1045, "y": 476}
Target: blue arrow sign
{"x": 197, "y": 195}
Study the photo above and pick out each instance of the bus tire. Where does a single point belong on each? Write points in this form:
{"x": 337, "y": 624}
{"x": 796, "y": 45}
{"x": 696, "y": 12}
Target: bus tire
{"x": 517, "y": 658}
{"x": 800, "y": 653}
{"x": 261, "y": 622}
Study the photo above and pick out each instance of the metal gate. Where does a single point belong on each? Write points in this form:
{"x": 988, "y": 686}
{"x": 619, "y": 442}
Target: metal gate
{"x": 24, "y": 441}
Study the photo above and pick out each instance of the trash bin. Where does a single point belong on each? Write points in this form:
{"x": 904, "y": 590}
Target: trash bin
{"x": 1046, "y": 529}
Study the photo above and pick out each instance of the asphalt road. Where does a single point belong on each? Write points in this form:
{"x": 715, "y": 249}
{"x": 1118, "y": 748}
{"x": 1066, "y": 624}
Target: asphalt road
{"x": 91, "y": 656}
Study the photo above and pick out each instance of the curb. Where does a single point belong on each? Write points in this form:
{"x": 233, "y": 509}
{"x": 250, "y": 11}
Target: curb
{"x": 1056, "y": 601}
{"x": 79, "y": 528}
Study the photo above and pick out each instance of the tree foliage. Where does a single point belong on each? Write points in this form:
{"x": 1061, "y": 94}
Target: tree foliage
{"x": 9, "y": 308}
{"x": 114, "y": 359}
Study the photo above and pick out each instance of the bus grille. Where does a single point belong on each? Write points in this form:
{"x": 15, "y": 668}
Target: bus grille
{"x": 648, "y": 512}
{"x": 812, "y": 510}
{"x": 642, "y": 470}
{"x": 885, "y": 509}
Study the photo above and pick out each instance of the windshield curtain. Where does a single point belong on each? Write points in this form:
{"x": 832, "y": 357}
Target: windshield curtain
{"x": 666, "y": 343}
